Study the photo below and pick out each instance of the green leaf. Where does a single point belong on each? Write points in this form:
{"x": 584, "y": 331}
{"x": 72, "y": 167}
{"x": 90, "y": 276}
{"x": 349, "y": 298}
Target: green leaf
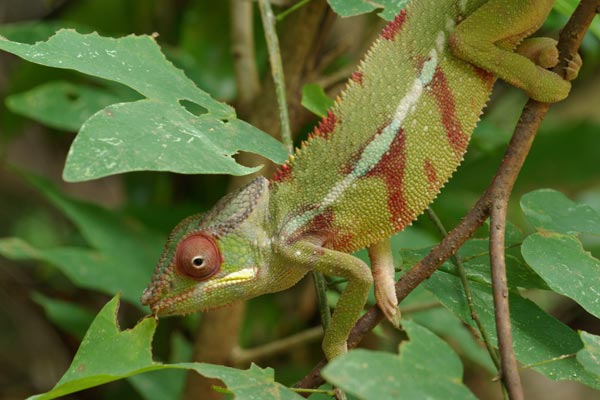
{"x": 315, "y": 100}
{"x": 107, "y": 354}
{"x": 349, "y": 8}
{"x": 424, "y": 308}
{"x": 550, "y": 210}
{"x": 410, "y": 375}
{"x": 157, "y": 133}
{"x": 539, "y": 339}
{"x": 61, "y": 105}
{"x": 449, "y": 327}
{"x": 589, "y": 356}
{"x": 566, "y": 267}
{"x": 70, "y": 317}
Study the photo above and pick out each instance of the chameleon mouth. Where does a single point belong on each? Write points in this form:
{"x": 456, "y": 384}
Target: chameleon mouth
{"x": 166, "y": 306}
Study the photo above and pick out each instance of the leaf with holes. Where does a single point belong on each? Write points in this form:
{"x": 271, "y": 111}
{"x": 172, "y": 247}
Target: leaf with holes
{"x": 160, "y": 132}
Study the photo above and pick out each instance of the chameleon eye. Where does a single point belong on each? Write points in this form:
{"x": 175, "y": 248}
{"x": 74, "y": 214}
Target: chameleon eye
{"x": 198, "y": 257}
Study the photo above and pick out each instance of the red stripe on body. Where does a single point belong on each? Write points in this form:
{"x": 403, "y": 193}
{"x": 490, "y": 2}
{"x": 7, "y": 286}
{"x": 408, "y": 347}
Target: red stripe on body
{"x": 348, "y": 167}
{"x": 321, "y": 227}
{"x": 394, "y": 27}
{"x": 447, "y": 106}
{"x": 484, "y": 75}
{"x": 391, "y": 169}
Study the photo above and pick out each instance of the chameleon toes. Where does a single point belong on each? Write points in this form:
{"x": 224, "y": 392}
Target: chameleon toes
{"x": 573, "y": 66}
{"x": 388, "y": 304}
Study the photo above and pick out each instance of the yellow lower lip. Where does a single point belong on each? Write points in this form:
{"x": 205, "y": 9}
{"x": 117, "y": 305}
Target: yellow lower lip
{"x": 242, "y": 275}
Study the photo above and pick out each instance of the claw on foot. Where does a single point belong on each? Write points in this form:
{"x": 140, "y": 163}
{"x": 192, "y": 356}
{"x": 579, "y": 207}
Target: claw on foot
{"x": 388, "y": 304}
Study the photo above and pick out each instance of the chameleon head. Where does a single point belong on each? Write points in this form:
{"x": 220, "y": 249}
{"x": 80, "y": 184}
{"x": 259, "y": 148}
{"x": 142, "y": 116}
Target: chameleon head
{"x": 215, "y": 259}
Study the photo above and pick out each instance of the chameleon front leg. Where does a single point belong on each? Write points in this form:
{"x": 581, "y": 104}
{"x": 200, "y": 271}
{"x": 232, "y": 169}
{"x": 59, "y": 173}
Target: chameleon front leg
{"x": 308, "y": 255}
{"x": 486, "y": 38}
{"x": 382, "y": 266}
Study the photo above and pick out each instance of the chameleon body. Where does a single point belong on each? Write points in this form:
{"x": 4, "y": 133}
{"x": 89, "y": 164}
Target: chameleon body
{"x": 394, "y": 137}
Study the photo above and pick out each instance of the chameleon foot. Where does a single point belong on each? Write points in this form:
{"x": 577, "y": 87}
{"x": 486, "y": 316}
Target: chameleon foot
{"x": 388, "y": 302}
{"x": 573, "y": 67}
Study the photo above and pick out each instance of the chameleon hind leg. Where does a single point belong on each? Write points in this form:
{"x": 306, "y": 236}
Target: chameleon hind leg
{"x": 382, "y": 267}
{"x": 487, "y": 37}
{"x": 353, "y": 298}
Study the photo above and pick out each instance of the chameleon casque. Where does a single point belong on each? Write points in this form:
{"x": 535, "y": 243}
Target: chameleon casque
{"x": 393, "y": 138}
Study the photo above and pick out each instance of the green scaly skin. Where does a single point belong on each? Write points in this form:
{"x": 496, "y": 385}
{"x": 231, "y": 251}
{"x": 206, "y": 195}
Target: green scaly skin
{"x": 392, "y": 140}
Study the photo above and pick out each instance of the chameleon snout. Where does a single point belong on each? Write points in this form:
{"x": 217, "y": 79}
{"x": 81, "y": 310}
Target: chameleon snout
{"x": 149, "y": 298}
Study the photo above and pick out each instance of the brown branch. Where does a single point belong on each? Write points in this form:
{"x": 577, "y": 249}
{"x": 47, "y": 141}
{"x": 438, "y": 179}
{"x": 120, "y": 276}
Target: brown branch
{"x": 531, "y": 119}
{"x": 501, "y": 188}
{"x": 507, "y": 172}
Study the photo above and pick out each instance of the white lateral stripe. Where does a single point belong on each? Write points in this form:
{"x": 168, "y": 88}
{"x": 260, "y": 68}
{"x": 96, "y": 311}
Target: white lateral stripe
{"x": 377, "y": 148}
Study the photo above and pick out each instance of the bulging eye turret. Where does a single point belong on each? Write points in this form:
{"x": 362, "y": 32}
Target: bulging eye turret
{"x": 198, "y": 257}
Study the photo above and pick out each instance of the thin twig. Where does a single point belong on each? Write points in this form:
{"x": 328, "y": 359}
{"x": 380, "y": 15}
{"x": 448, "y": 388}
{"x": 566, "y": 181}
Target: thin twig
{"x": 468, "y": 295}
{"x": 244, "y": 356}
{"x": 281, "y": 16}
{"x": 509, "y": 368}
{"x": 511, "y": 164}
{"x": 277, "y": 70}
